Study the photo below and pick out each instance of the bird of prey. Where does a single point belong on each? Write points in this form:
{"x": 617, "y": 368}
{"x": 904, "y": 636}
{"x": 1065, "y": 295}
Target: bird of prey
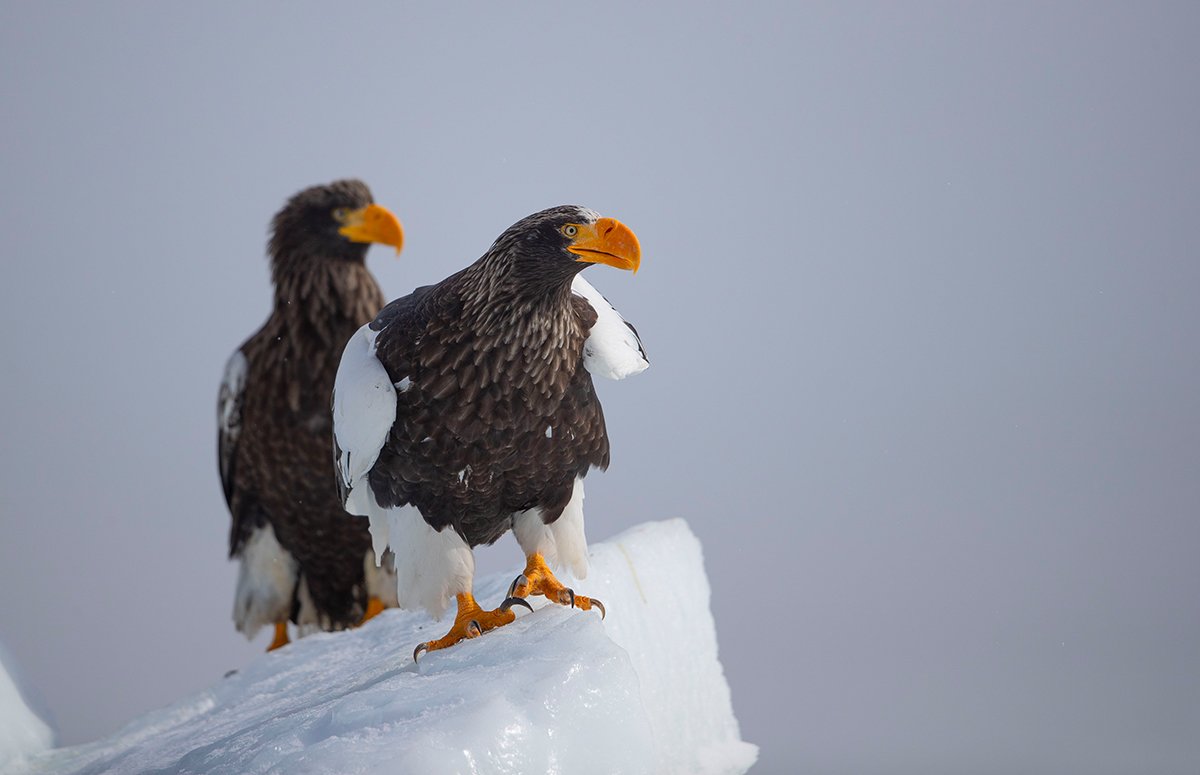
{"x": 300, "y": 558}
{"x": 466, "y": 409}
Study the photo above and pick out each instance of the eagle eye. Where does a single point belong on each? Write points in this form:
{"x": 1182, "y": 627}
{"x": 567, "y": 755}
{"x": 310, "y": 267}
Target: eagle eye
{"x": 570, "y": 230}
{"x": 340, "y": 213}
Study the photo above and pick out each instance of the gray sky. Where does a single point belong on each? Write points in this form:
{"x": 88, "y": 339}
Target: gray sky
{"x": 917, "y": 289}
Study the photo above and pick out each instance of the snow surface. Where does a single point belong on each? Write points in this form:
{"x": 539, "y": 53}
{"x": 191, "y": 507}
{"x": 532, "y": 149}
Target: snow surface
{"x": 557, "y": 691}
{"x": 22, "y": 732}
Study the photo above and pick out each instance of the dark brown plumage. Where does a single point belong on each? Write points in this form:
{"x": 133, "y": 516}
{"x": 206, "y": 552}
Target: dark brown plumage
{"x": 301, "y": 559}
{"x": 481, "y": 400}
{"x": 496, "y": 420}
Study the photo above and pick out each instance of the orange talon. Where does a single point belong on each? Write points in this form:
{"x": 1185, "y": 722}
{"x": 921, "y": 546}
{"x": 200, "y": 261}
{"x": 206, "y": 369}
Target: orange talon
{"x": 538, "y": 580}
{"x": 471, "y": 621}
{"x": 281, "y": 636}
{"x": 374, "y": 608}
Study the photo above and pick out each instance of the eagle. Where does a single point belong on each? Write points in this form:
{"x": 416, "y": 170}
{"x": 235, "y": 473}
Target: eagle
{"x": 467, "y": 409}
{"x": 300, "y": 558}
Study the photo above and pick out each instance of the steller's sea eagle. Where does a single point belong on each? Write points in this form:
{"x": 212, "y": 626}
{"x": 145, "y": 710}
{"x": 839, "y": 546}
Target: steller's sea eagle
{"x": 467, "y": 408}
{"x": 301, "y": 559}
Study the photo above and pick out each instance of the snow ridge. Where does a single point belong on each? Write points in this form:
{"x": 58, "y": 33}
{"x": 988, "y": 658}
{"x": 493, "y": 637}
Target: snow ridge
{"x": 22, "y": 732}
{"x": 557, "y": 691}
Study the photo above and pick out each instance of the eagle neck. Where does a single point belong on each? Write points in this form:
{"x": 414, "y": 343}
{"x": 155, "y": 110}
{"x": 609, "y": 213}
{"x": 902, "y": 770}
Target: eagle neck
{"x": 497, "y": 296}
{"x": 325, "y": 296}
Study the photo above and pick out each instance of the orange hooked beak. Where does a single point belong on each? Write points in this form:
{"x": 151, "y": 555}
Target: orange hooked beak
{"x": 373, "y": 223}
{"x": 607, "y": 241}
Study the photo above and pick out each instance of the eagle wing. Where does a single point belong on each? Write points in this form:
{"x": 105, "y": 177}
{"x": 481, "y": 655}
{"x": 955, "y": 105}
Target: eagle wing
{"x": 229, "y": 430}
{"x": 229, "y": 419}
{"x": 613, "y": 349}
{"x": 364, "y": 411}
{"x": 364, "y": 408}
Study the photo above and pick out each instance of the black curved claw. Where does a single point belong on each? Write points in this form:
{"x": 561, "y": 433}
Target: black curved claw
{"x": 509, "y": 602}
{"x": 519, "y": 581}
{"x": 570, "y": 592}
{"x": 600, "y": 605}
{"x": 473, "y": 629}
{"x": 420, "y": 649}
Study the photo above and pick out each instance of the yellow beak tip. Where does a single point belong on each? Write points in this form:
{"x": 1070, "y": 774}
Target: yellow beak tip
{"x": 374, "y": 223}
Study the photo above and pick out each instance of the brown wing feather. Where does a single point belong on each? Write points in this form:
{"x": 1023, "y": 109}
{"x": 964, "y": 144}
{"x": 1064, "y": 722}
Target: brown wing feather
{"x": 493, "y": 422}
{"x": 277, "y": 468}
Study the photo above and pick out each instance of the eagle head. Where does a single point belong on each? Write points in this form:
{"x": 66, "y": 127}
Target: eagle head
{"x": 337, "y": 221}
{"x": 562, "y": 241}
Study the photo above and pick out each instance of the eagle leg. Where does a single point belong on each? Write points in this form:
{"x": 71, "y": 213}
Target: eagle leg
{"x": 538, "y": 580}
{"x": 375, "y": 607}
{"x": 471, "y": 621}
{"x": 281, "y": 636}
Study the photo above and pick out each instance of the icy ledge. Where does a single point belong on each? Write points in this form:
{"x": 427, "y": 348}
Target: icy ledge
{"x": 557, "y": 691}
{"x": 22, "y": 732}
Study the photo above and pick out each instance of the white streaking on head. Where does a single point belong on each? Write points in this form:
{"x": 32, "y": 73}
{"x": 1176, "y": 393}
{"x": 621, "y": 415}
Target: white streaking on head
{"x": 612, "y": 350}
{"x": 266, "y": 578}
{"x": 562, "y": 542}
{"x": 364, "y": 408}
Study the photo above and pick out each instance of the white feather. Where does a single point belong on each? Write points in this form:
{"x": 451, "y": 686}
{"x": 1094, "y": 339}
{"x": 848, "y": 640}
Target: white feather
{"x": 364, "y": 408}
{"x": 230, "y": 398}
{"x": 612, "y": 349}
{"x": 562, "y": 542}
{"x": 309, "y": 618}
{"x": 378, "y": 521}
{"x": 379, "y": 570}
{"x": 266, "y": 578}
{"x": 431, "y": 567}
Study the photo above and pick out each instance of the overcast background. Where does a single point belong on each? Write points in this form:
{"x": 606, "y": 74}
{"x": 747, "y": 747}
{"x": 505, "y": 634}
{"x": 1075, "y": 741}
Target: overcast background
{"x": 918, "y": 289}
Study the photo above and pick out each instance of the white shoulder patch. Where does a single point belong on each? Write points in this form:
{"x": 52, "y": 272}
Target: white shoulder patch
{"x": 612, "y": 349}
{"x": 229, "y": 401}
{"x": 364, "y": 408}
